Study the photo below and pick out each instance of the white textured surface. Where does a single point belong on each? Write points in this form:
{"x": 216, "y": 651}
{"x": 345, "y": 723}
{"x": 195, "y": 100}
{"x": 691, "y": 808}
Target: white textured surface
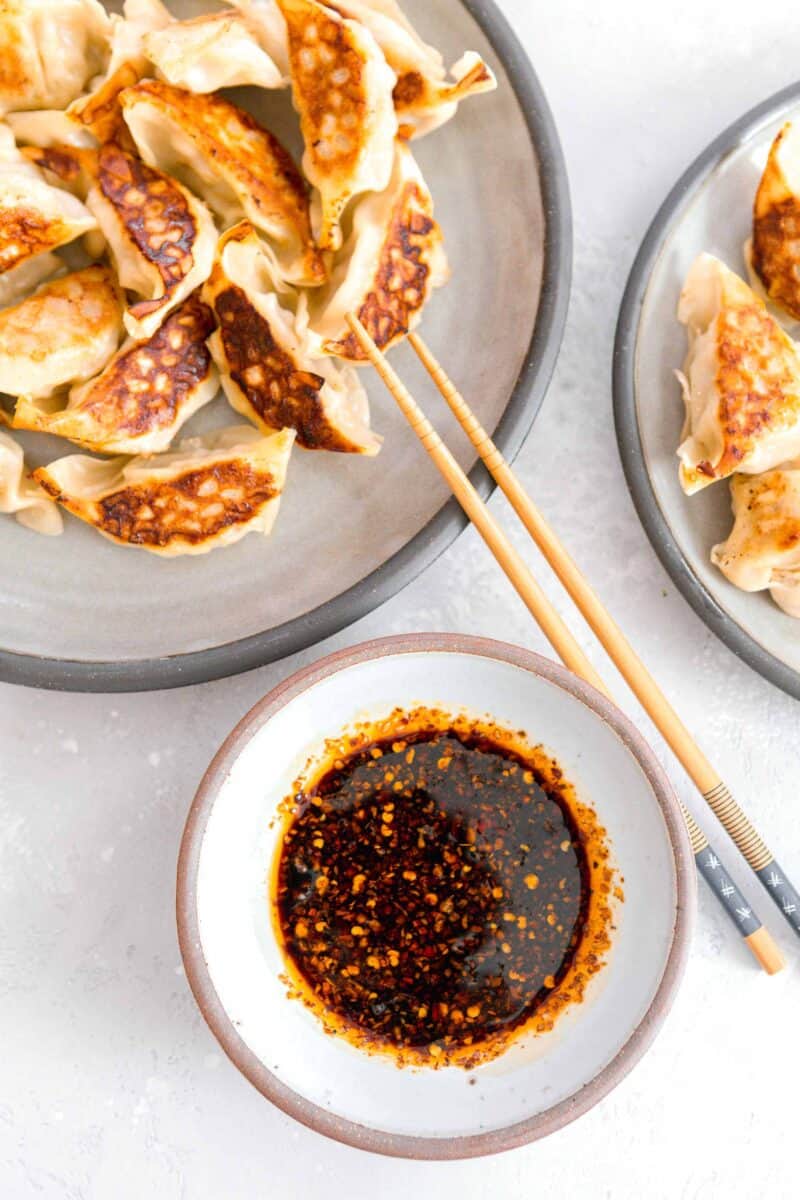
{"x": 110, "y": 1085}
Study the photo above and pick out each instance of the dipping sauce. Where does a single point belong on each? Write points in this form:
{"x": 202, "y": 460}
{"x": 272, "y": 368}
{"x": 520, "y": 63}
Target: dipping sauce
{"x": 432, "y": 892}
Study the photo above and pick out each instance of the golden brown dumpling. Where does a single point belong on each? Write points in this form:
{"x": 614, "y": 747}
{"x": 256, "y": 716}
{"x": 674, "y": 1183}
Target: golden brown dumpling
{"x": 424, "y": 97}
{"x": 773, "y": 252}
{"x": 145, "y": 394}
{"x": 273, "y": 370}
{"x": 763, "y": 548}
{"x": 65, "y": 331}
{"x": 49, "y": 50}
{"x": 212, "y": 51}
{"x": 240, "y": 169}
{"x": 387, "y": 269}
{"x": 161, "y": 237}
{"x": 740, "y": 381}
{"x": 207, "y": 493}
{"x": 342, "y": 89}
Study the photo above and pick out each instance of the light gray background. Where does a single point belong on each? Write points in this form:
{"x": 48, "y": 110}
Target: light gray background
{"x": 110, "y": 1084}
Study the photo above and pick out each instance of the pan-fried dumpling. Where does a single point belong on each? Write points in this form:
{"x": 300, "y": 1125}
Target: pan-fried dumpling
{"x": 763, "y": 548}
{"x": 212, "y": 51}
{"x": 740, "y": 381}
{"x": 49, "y": 50}
{"x": 424, "y": 97}
{"x": 21, "y": 496}
{"x": 273, "y": 372}
{"x": 128, "y": 32}
{"x": 342, "y": 89}
{"x": 208, "y": 492}
{"x": 73, "y": 168}
{"x": 145, "y": 394}
{"x": 65, "y": 331}
{"x": 48, "y": 128}
{"x": 21, "y": 280}
{"x": 266, "y": 20}
{"x": 224, "y": 155}
{"x": 773, "y": 252}
{"x": 162, "y": 238}
{"x": 388, "y": 267}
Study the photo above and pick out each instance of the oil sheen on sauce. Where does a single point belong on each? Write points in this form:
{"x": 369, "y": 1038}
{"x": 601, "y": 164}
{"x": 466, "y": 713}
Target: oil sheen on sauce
{"x": 433, "y": 892}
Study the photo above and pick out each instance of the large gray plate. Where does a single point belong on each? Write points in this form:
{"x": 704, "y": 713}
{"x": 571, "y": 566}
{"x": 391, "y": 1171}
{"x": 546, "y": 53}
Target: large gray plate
{"x": 708, "y": 209}
{"x": 81, "y": 613}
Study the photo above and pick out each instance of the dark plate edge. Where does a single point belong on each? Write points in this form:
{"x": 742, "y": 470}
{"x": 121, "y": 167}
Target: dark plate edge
{"x": 350, "y": 1132}
{"x": 425, "y": 547}
{"x": 624, "y": 398}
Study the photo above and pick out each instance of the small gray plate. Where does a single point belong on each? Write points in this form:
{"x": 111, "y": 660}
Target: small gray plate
{"x": 708, "y": 209}
{"x": 81, "y": 613}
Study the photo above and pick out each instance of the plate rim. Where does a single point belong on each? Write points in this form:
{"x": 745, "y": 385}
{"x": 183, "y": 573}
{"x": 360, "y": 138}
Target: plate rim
{"x": 352, "y": 1133}
{"x": 629, "y": 442}
{"x": 525, "y": 400}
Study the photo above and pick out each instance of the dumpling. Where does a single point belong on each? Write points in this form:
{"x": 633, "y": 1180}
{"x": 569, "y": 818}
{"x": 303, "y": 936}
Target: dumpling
{"x": 424, "y": 97}
{"x": 273, "y": 372}
{"x": 763, "y": 548}
{"x": 740, "y": 381}
{"x": 49, "y": 50}
{"x": 223, "y": 154}
{"x": 342, "y": 89}
{"x": 48, "y": 128}
{"x": 208, "y": 492}
{"x": 100, "y": 112}
{"x": 162, "y": 238}
{"x": 267, "y": 22}
{"x": 212, "y": 51}
{"x": 773, "y": 252}
{"x": 21, "y": 496}
{"x": 392, "y": 260}
{"x": 145, "y": 394}
{"x": 139, "y": 18}
{"x": 21, "y": 280}
{"x": 65, "y": 331}
{"x": 73, "y": 168}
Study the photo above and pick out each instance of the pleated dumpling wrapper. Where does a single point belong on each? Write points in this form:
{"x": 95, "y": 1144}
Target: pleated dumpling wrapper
{"x": 763, "y": 548}
{"x": 342, "y": 89}
{"x": 266, "y": 18}
{"x": 161, "y": 237}
{"x": 773, "y": 251}
{"x": 22, "y": 497}
{"x": 385, "y": 272}
{"x": 237, "y": 166}
{"x": 740, "y": 381}
{"x": 207, "y": 493}
{"x": 274, "y": 370}
{"x": 49, "y": 50}
{"x": 66, "y": 331}
{"x": 424, "y": 97}
{"x": 146, "y": 393}
{"x": 213, "y": 51}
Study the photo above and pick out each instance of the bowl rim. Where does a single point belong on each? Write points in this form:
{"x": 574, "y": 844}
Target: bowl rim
{"x": 524, "y": 402}
{"x": 629, "y": 440}
{"x": 352, "y": 1133}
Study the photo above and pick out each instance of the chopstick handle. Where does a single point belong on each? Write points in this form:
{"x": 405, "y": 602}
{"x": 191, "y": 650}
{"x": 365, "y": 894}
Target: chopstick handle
{"x": 758, "y": 940}
{"x": 716, "y": 794}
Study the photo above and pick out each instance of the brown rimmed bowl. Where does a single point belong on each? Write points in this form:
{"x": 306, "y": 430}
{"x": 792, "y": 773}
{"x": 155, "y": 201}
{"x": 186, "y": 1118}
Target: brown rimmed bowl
{"x": 234, "y": 963}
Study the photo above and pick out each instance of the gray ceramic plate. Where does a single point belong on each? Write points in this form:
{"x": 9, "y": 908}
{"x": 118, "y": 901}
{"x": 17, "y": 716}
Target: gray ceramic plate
{"x": 84, "y": 614}
{"x": 708, "y": 209}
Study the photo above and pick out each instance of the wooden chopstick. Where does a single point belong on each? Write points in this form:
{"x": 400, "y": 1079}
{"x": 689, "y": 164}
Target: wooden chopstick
{"x": 558, "y": 634}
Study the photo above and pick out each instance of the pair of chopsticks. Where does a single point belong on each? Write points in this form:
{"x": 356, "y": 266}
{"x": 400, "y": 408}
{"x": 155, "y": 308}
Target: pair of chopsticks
{"x": 644, "y": 687}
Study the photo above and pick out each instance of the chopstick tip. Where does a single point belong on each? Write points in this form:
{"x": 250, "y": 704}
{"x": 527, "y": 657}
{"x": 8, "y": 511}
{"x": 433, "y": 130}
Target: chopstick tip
{"x": 765, "y": 950}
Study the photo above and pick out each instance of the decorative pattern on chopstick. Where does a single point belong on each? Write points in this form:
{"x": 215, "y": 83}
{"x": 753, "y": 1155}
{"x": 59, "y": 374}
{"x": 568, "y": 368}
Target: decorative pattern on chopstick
{"x": 555, "y": 630}
{"x": 627, "y": 662}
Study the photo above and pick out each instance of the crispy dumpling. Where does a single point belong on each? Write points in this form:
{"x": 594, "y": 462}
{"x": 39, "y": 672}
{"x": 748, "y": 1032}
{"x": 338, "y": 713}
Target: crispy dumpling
{"x": 73, "y": 168}
{"x": 342, "y": 89}
{"x": 162, "y": 238}
{"x": 208, "y": 492}
{"x": 740, "y": 381}
{"x": 763, "y": 548}
{"x": 49, "y": 50}
{"x": 65, "y": 331}
{"x": 274, "y": 372}
{"x": 773, "y": 252}
{"x": 385, "y": 272}
{"x": 224, "y": 155}
{"x": 212, "y": 51}
{"x": 21, "y": 496}
{"x": 143, "y": 396}
{"x": 424, "y": 96}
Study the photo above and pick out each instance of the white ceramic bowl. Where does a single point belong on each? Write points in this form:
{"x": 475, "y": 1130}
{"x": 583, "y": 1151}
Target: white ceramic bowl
{"x": 233, "y": 961}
